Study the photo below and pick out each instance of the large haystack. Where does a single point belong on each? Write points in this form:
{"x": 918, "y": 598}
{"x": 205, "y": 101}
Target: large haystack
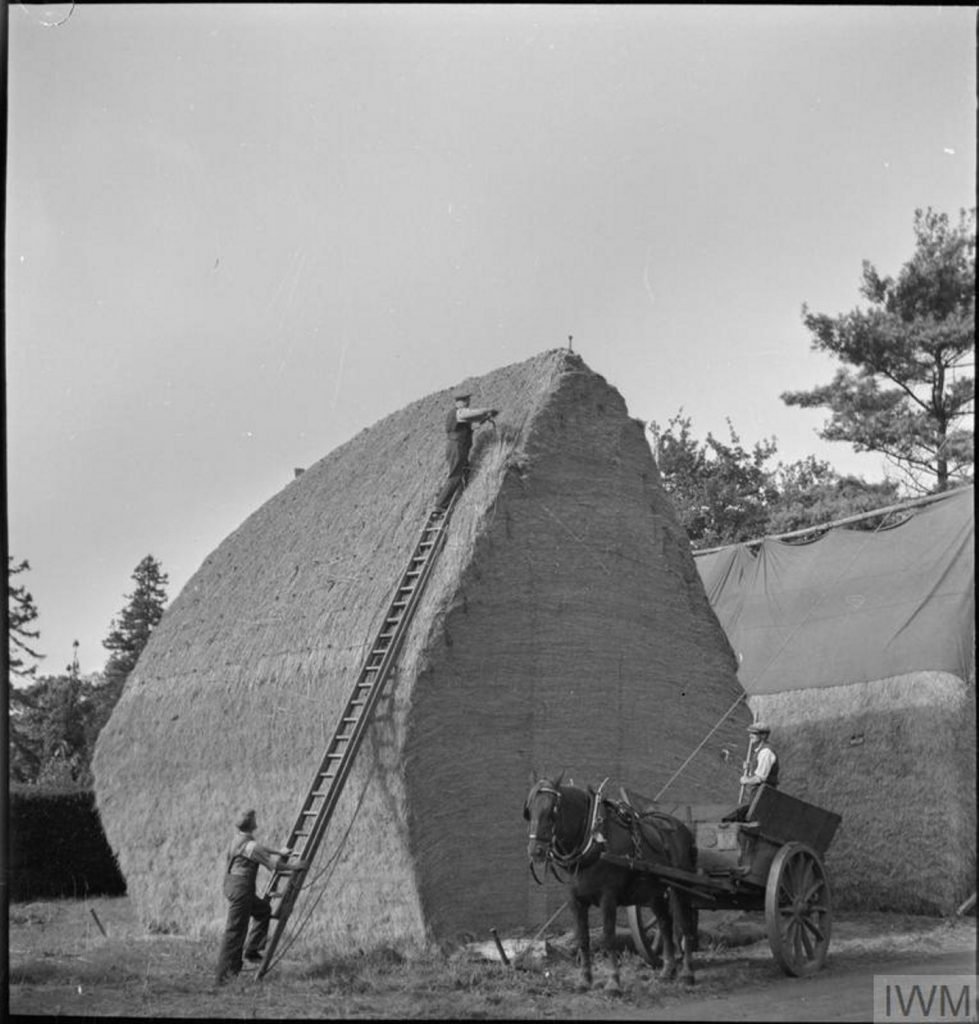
{"x": 565, "y": 626}
{"x": 859, "y": 650}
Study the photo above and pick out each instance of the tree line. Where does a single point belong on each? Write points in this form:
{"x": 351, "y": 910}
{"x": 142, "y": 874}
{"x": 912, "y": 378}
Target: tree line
{"x": 54, "y": 721}
{"x": 902, "y": 391}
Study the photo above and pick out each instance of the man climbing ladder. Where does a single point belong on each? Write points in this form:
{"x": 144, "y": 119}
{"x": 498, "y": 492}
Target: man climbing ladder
{"x": 459, "y": 430}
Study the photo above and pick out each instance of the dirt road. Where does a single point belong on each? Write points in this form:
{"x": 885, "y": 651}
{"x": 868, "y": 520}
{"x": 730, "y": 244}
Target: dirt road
{"x": 842, "y": 992}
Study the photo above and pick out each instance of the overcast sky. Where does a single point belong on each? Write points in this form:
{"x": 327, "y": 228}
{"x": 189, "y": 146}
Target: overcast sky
{"x": 238, "y": 235}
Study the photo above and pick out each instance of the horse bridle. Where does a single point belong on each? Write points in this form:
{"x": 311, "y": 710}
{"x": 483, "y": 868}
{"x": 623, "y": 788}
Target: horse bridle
{"x": 567, "y": 861}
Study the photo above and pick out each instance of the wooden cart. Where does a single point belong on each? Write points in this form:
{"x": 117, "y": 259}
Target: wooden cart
{"x": 772, "y": 862}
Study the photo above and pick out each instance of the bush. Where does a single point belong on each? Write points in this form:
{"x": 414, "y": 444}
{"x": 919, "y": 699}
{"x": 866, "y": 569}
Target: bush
{"x": 57, "y": 847}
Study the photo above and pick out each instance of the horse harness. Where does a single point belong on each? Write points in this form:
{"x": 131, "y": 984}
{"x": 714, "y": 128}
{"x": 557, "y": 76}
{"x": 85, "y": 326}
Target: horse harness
{"x": 639, "y": 824}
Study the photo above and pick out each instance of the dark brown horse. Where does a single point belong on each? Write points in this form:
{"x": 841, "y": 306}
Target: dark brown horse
{"x": 570, "y": 829}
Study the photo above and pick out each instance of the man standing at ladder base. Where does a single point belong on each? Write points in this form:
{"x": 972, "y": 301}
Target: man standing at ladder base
{"x": 459, "y": 428}
{"x": 244, "y": 857}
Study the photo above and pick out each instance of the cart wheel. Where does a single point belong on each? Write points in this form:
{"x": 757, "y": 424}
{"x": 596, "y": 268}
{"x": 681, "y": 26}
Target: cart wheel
{"x": 646, "y": 936}
{"x": 645, "y": 933}
{"x": 797, "y": 910}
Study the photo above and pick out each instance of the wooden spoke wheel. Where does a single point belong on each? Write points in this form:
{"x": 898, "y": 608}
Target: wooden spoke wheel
{"x": 797, "y": 910}
{"x": 645, "y": 933}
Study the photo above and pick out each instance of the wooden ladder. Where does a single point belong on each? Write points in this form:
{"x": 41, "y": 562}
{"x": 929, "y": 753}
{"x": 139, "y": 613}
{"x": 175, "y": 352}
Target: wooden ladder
{"x": 321, "y": 800}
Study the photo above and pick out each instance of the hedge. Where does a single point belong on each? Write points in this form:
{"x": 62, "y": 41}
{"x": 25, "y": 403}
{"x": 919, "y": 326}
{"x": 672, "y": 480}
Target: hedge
{"x": 57, "y": 847}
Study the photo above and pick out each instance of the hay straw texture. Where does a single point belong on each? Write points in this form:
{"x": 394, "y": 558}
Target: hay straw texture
{"x": 897, "y": 758}
{"x": 565, "y": 627}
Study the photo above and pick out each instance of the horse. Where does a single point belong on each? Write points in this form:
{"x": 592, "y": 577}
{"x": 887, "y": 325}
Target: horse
{"x": 570, "y": 829}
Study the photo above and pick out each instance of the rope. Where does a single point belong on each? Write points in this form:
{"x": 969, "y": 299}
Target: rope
{"x": 576, "y": 538}
{"x": 903, "y": 506}
{"x": 541, "y": 931}
{"x": 697, "y": 749}
{"x": 330, "y": 867}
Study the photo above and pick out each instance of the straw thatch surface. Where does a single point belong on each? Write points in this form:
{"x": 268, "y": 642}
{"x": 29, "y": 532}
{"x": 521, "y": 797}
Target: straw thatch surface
{"x": 565, "y": 627}
{"x": 897, "y": 758}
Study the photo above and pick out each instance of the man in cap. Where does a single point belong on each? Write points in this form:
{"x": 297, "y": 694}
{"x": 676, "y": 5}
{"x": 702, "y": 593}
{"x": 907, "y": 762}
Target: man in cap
{"x": 762, "y": 761}
{"x": 760, "y": 766}
{"x": 459, "y": 430}
{"x": 244, "y": 905}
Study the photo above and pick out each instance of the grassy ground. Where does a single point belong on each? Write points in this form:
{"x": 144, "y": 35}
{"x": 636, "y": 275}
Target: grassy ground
{"x": 61, "y": 964}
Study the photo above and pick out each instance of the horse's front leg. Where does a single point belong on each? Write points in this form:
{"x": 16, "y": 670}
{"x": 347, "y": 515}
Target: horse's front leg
{"x": 661, "y": 908}
{"x": 609, "y": 907}
{"x": 584, "y": 943}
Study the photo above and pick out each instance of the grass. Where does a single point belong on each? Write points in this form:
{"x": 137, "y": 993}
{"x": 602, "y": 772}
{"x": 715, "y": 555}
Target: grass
{"x": 61, "y": 964}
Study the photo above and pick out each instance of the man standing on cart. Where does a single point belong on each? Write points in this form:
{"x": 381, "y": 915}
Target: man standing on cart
{"x": 760, "y": 767}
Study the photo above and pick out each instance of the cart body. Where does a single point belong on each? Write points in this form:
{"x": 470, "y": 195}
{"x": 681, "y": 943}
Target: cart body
{"x": 771, "y": 862}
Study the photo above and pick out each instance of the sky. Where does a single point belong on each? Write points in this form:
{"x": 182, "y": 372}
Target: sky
{"x": 237, "y": 235}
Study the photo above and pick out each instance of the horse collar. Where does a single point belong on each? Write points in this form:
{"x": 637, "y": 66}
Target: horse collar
{"x": 592, "y": 838}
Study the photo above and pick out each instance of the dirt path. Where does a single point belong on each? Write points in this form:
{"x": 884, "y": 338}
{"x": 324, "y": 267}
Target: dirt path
{"x": 91, "y": 959}
{"x": 843, "y": 992}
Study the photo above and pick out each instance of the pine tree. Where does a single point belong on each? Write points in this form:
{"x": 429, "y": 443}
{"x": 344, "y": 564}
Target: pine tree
{"x": 904, "y": 389}
{"x": 129, "y": 633}
{"x": 24, "y": 751}
{"x": 22, "y": 612}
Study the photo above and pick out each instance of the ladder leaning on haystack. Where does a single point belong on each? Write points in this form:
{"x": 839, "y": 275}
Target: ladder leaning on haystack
{"x": 324, "y": 793}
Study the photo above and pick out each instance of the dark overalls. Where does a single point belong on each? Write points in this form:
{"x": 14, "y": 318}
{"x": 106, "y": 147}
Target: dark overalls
{"x": 243, "y": 905}
{"x": 457, "y": 447}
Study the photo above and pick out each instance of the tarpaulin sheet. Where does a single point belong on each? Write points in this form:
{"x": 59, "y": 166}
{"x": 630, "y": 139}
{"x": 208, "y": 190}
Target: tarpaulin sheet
{"x": 852, "y": 606}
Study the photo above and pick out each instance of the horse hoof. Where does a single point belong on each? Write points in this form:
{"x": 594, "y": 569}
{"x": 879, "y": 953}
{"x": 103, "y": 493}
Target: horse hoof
{"x": 613, "y": 988}
{"x": 688, "y": 980}
{"x": 582, "y": 986}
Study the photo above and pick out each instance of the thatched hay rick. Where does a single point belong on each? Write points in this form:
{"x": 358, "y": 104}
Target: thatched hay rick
{"x": 565, "y": 625}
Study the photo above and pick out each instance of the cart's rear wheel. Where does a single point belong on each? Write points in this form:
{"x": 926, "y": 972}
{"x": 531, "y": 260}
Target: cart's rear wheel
{"x": 797, "y": 910}
{"x": 645, "y": 933}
